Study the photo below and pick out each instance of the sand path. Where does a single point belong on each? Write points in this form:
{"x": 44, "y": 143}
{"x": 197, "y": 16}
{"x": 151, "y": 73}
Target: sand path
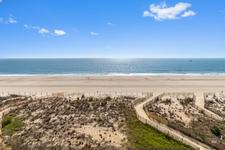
{"x": 200, "y": 102}
{"x": 163, "y": 128}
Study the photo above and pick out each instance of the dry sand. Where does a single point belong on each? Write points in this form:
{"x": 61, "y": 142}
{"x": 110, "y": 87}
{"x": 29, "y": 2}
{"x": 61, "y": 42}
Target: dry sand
{"x": 115, "y": 138}
{"x": 124, "y": 84}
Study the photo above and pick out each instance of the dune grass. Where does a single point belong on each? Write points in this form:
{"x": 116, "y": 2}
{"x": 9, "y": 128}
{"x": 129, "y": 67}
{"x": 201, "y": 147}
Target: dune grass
{"x": 142, "y": 136}
{"x": 11, "y": 124}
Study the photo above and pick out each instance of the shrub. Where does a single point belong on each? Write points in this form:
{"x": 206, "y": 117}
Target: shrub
{"x": 216, "y": 131}
{"x": 6, "y": 120}
{"x": 11, "y": 124}
{"x": 108, "y": 98}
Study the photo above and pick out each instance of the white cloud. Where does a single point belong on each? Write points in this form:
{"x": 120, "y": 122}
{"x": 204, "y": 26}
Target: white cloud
{"x": 163, "y": 12}
{"x": 31, "y": 27}
{"x": 110, "y": 24}
{"x": 188, "y": 13}
{"x": 26, "y": 26}
{"x": 146, "y": 14}
{"x": 59, "y": 32}
{"x": 11, "y": 20}
{"x": 43, "y": 31}
{"x": 40, "y": 30}
{"x": 94, "y": 34}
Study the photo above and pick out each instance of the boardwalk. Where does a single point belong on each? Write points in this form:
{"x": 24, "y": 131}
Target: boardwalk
{"x": 200, "y": 102}
{"x": 163, "y": 128}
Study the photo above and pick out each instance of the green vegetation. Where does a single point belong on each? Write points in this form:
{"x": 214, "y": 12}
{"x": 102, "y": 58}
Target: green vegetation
{"x": 216, "y": 131}
{"x": 142, "y": 136}
{"x": 11, "y": 124}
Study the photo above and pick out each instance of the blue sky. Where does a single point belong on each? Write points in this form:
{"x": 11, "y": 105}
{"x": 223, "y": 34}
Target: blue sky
{"x": 112, "y": 28}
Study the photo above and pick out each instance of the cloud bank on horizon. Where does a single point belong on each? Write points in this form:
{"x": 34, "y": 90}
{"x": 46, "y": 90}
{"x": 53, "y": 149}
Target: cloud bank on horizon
{"x": 163, "y": 12}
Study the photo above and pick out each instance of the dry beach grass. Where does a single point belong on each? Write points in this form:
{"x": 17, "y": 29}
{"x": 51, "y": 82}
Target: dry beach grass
{"x": 180, "y": 113}
{"x": 82, "y": 123}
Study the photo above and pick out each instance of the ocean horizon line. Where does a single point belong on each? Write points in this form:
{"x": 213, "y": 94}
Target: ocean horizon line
{"x": 114, "y": 58}
{"x": 112, "y": 74}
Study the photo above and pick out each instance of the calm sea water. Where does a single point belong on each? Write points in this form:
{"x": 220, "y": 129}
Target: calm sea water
{"x": 112, "y": 66}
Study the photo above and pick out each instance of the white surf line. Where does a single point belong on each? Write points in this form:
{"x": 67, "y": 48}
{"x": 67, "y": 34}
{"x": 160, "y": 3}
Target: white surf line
{"x": 142, "y": 116}
{"x": 200, "y": 103}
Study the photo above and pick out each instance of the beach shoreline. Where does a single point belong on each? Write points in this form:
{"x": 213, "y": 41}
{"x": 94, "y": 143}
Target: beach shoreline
{"x": 112, "y": 83}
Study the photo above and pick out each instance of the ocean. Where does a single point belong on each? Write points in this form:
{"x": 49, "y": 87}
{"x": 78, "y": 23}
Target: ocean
{"x": 107, "y": 67}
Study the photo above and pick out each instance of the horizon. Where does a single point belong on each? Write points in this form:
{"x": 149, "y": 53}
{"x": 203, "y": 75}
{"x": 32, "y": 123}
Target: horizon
{"x": 121, "y": 58}
{"x": 112, "y": 29}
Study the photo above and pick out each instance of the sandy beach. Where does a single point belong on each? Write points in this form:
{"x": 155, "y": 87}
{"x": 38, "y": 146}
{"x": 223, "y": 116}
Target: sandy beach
{"x": 119, "y": 84}
{"x": 87, "y": 84}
